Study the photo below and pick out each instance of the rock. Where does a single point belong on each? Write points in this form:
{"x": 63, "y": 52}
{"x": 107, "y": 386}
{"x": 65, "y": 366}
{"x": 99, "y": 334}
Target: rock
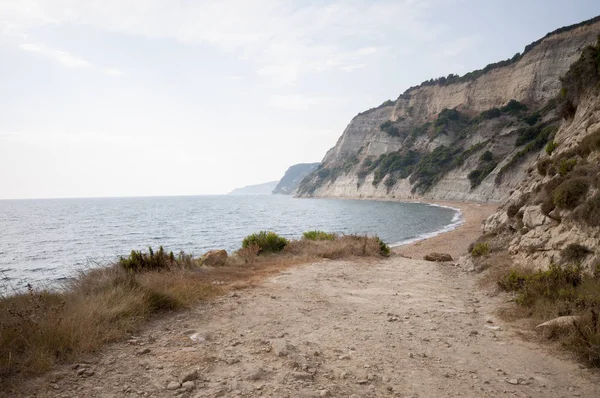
{"x": 533, "y": 217}
{"x": 513, "y": 381}
{"x": 214, "y": 258}
{"x": 143, "y": 351}
{"x": 189, "y": 375}
{"x": 438, "y": 257}
{"x": 493, "y": 328}
{"x": 188, "y": 386}
{"x": 173, "y": 385}
{"x": 560, "y": 322}
{"x": 324, "y": 393}
{"x": 494, "y": 221}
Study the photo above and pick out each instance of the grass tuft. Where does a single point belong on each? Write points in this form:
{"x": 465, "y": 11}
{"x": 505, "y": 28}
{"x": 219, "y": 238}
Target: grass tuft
{"x": 318, "y": 235}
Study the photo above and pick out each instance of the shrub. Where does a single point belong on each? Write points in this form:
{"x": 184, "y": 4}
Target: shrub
{"x": 487, "y": 156}
{"x": 550, "y": 147}
{"x": 566, "y": 165}
{"x": 574, "y": 253}
{"x": 547, "y": 206}
{"x": 384, "y": 249}
{"x": 267, "y": 241}
{"x": 513, "y": 107}
{"x": 478, "y": 175}
{"x": 554, "y": 284}
{"x": 582, "y": 76}
{"x": 138, "y": 261}
{"x": 589, "y": 144}
{"x": 318, "y": 235}
{"x": 491, "y": 113}
{"x": 513, "y": 209}
{"x": 589, "y": 212}
{"x": 389, "y": 128}
{"x": 480, "y": 249}
{"x": 543, "y": 165}
{"x": 568, "y": 194}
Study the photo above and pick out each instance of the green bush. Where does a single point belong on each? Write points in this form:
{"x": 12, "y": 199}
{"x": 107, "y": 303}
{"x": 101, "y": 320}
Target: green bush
{"x": 389, "y": 128}
{"x": 568, "y": 194}
{"x": 566, "y": 165}
{"x": 583, "y": 75}
{"x": 574, "y": 253}
{"x": 480, "y": 249}
{"x": 138, "y": 261}
{"x": 267, "y": 241}
{"x": 513, "y": 107}
{"x": 557, "y": 283}
{"x": 384, "y": 249}
{"x": 550, "y": 147}
{"x": 318, "y": 235}
{"x": 487, "y": 156}
{"x": 491, "y": 114}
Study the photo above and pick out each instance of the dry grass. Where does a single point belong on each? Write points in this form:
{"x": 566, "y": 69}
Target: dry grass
{"x": 40, "y": 328}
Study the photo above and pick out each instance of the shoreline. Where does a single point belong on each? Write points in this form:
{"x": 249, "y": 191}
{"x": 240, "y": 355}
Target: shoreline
{"x": 455, "y": 241}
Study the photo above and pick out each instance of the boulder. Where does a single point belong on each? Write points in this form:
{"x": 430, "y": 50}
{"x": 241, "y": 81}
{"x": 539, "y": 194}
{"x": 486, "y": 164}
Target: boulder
{"x": 494, "y": 221}
{"x": 215, "y": 258}
{"x": 533, "y": 217}
{"x": 438, "y": 257}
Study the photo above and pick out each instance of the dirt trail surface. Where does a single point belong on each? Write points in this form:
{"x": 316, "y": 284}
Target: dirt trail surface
{"x": 396, "y": 327}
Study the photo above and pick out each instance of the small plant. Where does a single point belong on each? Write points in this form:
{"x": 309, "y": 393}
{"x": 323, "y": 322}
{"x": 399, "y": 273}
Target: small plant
{"x": 480, "y": 249}
{"x": 384, "y": 249}
{"x": 574, "y": 253}
{"x": 568, "y": 194}
{"x": 267, "y": 241}
{"x": 543, "y": 166}
{"x": 550, "y": 147}
{"x": 487, "y": 156}
{"x": 566, "y": 165}
{"x": 318, "y": 235}
{"x": 138, "y": 261}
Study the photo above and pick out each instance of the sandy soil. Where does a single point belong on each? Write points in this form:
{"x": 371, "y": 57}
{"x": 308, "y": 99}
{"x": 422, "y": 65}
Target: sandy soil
{"x": 457, "y": 241}
{"x": 397, "y": 327}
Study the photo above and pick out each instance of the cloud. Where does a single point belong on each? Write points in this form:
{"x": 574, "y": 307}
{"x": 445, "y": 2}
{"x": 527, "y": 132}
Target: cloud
{"x": 298, "y": 102}
{"x": 283, "y": 39}
{"x": 64, "y": 138}
{"x": 66, "y": 59}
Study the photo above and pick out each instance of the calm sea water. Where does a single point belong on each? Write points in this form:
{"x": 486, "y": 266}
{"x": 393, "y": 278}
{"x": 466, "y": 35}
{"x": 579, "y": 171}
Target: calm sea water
{"x": 43, "y": 241}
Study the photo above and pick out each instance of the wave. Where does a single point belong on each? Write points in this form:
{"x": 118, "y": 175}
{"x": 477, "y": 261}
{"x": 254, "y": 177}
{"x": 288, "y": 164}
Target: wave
{"x": 456, "y": 221}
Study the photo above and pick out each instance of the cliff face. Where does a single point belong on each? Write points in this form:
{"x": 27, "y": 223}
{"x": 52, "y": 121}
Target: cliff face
{"x": 392, "y": 151}
{"x": 292, "y": 178}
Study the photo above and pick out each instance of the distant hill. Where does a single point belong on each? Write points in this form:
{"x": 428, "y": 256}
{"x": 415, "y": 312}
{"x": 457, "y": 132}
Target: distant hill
{"x": 259, "y": 189}
{"x": 292, "y": 178}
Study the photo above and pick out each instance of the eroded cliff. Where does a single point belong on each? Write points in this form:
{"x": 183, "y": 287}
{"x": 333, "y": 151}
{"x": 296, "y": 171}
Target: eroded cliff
{"x": 469, "y": 138}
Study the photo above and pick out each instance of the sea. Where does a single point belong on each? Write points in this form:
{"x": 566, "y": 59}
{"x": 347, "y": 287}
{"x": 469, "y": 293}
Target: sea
{"x": 45, "y": 241}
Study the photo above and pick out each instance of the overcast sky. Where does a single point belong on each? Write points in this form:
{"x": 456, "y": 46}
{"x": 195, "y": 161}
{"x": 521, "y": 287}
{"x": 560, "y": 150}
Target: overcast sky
{"x": 165, "y": 97}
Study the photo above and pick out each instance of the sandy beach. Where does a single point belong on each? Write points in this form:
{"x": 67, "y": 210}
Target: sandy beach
{"x": 457, "y": 241}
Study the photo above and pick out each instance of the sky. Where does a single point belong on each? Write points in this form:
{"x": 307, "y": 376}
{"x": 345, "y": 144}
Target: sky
{"x": 163, "y": 97}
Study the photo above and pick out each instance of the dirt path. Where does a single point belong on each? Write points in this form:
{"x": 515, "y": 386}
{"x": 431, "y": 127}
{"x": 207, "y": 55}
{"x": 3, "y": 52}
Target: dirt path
{"x": 396, "y": 327}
